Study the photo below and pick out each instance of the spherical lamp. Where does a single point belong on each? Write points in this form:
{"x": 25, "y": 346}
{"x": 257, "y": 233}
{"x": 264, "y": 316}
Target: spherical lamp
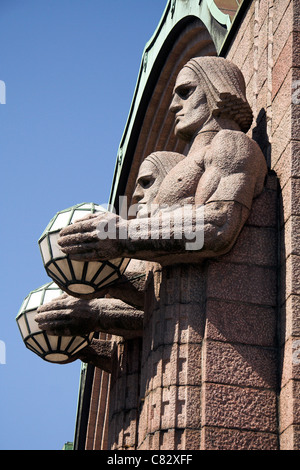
{"x": 58, "y": 349}
{"x": 77, "y": 278}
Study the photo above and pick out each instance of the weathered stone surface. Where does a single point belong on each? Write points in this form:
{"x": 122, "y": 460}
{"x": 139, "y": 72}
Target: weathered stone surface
{"x": 244, "y": 283}
{"x": 237, "y": 408}
{"x": 242, "y": 365}
{"x": 241, "y": 323}
{"x": 290, "y": 396}
{"x": 228, "y": 439}
{"x": 290, "y": 439}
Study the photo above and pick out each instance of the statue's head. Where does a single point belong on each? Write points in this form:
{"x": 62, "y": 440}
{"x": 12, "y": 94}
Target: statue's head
{"x": 207, "y": 88}
{"x": 151, "y": 174}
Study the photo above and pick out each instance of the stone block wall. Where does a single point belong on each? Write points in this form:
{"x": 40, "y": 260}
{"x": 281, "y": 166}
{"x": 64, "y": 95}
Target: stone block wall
{"x": 124, "y": 395}
{"x": 239, "y": 405}
{"x": 266, "y": 48}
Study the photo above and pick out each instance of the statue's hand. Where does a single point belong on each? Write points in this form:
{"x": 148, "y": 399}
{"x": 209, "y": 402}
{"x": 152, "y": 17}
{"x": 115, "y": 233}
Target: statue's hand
{"x": 67, "y": 316}
{"x": 94, "y": 237}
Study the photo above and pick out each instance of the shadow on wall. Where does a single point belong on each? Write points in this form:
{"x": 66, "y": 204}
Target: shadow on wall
{"x": 260, "y": 135}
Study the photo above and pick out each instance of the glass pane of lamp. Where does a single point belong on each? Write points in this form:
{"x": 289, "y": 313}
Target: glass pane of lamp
{"x": 50, "y": 348}
{"x": 76, "y": 277}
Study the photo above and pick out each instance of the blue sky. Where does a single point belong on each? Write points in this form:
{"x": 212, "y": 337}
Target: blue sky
{"x": 70, "y": 69}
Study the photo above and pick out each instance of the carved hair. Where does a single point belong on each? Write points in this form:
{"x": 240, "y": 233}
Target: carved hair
{"x": 164, "y": 161}
{"x": 225, "y": 89}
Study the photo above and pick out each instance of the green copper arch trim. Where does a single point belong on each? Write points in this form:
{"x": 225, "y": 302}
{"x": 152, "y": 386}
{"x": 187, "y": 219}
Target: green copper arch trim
{"x": 177, "y": 14}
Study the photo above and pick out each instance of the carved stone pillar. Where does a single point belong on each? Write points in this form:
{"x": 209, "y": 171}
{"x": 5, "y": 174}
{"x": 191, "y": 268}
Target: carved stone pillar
{"x": 209, "y": 362}
{"x": 171, "y": 361}
{"x": 240, "y": 356}
{"x": 124, "y": 395}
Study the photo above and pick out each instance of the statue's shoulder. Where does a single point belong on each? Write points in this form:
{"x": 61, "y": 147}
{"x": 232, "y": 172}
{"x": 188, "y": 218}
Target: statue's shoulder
{"x": 235, "y": 153}
{"x": 231, "y": 147}
{"x": 228, "y": 139}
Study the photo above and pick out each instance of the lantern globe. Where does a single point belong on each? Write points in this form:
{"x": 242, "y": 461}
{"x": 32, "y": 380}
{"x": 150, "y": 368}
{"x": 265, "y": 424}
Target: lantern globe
{"x": 77, "y": 278}
{"x": 55, "y": 349}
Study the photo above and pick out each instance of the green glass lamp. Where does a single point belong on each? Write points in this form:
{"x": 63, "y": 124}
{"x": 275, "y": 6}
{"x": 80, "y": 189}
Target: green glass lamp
{"x": 77, "y": 278}
{"x": 55, "y": 349}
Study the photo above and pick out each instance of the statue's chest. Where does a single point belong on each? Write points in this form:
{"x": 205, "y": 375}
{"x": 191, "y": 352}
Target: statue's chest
{"x": 181, "y": 184}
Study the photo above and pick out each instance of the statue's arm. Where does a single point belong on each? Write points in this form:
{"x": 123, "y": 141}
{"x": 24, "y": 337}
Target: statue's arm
{"x": 235, "y": 170}
{"x": 115, "y": 317}
{"x": 234, "y": 173}
{"x": 69, "y": 316}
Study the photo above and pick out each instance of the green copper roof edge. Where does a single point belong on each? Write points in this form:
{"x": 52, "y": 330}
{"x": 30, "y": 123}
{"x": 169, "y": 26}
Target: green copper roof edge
{"x": 83, "y": 402}
{"x": 175, "y": 11}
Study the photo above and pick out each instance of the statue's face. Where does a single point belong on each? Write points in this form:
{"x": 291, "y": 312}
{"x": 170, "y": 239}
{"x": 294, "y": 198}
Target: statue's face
{"x": 147, "y": 186}
{"x": 189, "y": 104}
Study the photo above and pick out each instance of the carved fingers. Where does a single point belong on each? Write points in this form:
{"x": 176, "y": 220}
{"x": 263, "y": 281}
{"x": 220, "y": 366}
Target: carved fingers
{"x": 92, "y": 238}
{"x": 67, "y": 316}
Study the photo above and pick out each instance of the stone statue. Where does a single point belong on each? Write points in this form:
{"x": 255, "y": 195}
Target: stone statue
{"x": 119, "y": 311}
{"x": 217, "y": 180}
{"x": 223, "y": 171}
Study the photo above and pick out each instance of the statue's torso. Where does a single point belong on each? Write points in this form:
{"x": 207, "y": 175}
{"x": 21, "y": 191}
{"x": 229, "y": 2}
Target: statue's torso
{"x": 230, "y": 167}
{"x": 180, "y": 185}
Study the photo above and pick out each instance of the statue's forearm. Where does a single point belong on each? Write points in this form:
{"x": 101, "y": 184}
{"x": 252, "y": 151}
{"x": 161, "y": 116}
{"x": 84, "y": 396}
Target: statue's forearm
{"x": 117, "y": 318}
{"x": 209, "y": 230}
